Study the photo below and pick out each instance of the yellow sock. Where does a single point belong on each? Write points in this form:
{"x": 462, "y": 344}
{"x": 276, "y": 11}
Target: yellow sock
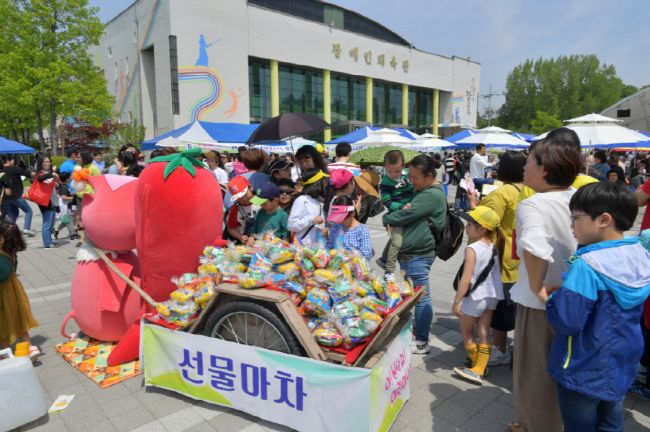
{"x": 472, "y": 351}
{"x": 482, "y": 358}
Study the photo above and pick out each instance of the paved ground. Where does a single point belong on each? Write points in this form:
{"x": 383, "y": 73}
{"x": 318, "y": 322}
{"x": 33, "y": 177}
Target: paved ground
{"x": 438, "y": 401}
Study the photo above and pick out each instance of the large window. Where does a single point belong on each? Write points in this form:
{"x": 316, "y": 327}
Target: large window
{"x": 301, "y": 90}
{"x": 386, "y": 104}
{"x": 348, "y": 98}
{"x": 259, "y": 85}
{"x": 420, "y": 109}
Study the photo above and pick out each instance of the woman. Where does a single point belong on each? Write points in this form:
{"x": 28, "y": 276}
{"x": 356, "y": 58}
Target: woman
{"x": 45, "y": 175}
{"x": 545, "y": 243}
{"x": 307, "y": 157}
{"x": 418, "y": 251}
{"x": 600, "y": 168}
{"x": 87, "y": 161}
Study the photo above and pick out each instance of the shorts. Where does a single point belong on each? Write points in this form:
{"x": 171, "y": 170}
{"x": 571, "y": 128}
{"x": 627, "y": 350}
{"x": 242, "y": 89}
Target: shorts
{"x": 476, "y": 308}
{"x": 503, "y": 318}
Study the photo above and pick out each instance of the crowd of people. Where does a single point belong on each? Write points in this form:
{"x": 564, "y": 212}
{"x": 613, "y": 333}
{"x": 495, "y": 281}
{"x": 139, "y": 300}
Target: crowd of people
{"x": 546, "y": 254}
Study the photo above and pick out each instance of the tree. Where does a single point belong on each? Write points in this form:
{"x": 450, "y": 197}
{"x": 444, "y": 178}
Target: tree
{"x": 563, "y": 87}
{"x": 45, "y": 68}
{"x": 123, "y": 134}
{"x": 543, "y": 122}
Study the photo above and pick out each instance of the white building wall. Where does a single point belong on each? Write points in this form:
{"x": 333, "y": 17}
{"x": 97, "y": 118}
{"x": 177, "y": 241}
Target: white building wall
{"x": 639, "y": 106}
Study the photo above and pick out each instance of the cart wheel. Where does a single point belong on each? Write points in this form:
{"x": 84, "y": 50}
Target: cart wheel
{"x": 252, "y": 324}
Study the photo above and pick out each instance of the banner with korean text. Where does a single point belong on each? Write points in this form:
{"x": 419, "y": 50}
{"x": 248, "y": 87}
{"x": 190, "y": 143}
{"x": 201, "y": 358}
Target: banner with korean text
{"x": 304, "y": 394}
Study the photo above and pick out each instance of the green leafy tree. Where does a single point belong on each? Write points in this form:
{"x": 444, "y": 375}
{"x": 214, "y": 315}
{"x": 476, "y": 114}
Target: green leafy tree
{"x": 125, "y": 133}
{"x": 564, "y": 87}
{"x": 45, "y": 68}
{"x": 543, "y": 122}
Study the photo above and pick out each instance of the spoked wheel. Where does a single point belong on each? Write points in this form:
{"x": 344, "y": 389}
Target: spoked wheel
{"x": 252, "y": 324}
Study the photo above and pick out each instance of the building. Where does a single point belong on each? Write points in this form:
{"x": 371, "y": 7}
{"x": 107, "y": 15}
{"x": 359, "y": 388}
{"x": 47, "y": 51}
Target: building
{"x": 169, "y": 62}
{"x": 633, "y": 110}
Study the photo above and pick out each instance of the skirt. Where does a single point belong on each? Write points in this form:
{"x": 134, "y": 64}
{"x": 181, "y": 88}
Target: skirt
{"x": 16, "y": 317}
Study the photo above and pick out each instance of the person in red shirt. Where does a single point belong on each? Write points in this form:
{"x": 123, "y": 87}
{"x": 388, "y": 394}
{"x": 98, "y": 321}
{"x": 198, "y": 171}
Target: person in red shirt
{"x": 642, "y": 197}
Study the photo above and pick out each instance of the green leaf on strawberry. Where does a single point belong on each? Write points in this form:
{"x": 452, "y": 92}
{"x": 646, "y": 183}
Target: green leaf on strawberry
{"x": 186, "y": 159}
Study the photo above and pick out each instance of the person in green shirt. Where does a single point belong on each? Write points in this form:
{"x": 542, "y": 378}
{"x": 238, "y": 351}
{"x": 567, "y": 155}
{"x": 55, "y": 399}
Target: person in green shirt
{"x": 271, "y": 217}
{"x": 428, "y": 206}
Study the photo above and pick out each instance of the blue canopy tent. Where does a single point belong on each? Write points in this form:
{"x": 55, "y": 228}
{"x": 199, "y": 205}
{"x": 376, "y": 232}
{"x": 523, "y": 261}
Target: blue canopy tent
{"x": 523, "y": 136}
{"x": 364, "y": 132}
{"x": 460, "y": 135}
{"x": 8, "y": 146}
{"x": 232, "y": 134}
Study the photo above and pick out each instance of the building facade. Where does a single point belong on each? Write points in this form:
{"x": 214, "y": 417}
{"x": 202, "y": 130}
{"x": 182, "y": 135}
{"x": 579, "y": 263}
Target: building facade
{"x": 170, "y": 62}
{"x": 633, "y": 111}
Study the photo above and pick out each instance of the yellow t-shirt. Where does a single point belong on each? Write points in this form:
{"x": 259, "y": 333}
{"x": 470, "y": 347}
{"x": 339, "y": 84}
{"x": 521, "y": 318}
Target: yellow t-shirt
{"x": 580, "y": 181}
{"x": 503, "y": 201}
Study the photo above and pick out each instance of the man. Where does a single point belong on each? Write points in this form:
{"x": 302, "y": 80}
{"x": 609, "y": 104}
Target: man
{"x": 73, "y": 160}
{"x": 343, "y": 151}
{"x": 98, "y": 162}
{"x": 12, "y": 179}
{"x": 450, "y": 167}
{"x": 477, "y": 166}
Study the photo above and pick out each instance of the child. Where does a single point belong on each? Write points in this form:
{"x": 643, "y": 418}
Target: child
{"x": 67, "y": 200}
{"x": 239, "y": 222}
{"x": 306, "y": 219}
{"x": 596, "y": 312}
{"x": 478, "y": 291}
{"x": 347, "y": 232}
{"x": 271, "y": 217}
{"x": 287, "y": 194}
{"x": 16, "y": 317}
{"x": 396, "y": 193}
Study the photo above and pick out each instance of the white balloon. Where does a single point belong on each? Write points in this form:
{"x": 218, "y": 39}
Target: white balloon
{"x": 78, "y": 186}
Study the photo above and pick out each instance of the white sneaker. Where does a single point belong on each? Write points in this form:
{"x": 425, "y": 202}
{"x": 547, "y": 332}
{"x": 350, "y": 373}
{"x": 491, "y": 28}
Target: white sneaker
{"x": 499, "y": 358}
{"x": 418, "y": 347}
{"x": 28, "y": 232}
{"x": 389, "y": 277}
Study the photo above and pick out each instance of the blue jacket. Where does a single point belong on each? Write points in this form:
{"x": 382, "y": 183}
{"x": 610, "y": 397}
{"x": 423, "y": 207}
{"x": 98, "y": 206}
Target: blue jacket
{"x": 596, "y": 316}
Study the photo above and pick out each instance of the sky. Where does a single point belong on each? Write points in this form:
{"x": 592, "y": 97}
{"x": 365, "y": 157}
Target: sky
{"x": 500, "y": 34}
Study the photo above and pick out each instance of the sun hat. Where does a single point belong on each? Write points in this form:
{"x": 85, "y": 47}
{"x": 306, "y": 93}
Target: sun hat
{"x": 340, "y": 177}
{"x": 367, "y": 182}
{"x": 320, "y": 148}
{"x": 279, "y": 165}
{"x": 267, "y": 191}
{"x": 338, "y": 213}
{"x": 238, "y": 187}
{"x": 484, "y": 216}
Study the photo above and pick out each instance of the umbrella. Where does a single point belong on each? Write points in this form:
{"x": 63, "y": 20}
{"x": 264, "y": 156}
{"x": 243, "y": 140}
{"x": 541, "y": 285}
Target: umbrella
{"x": 492, "y": 136}
{"x": 284, "y": 146}
{"x": 460, "y": 135}
{"x": 595, "y": 130}
{"x": 524, "y": 136}
{"x": 8, "y": 146}
{"x": 375, "y": 155}
{"x": 287, "y": 125}
{"x": 427, "y": 143}
{"x": 383, "y": 137}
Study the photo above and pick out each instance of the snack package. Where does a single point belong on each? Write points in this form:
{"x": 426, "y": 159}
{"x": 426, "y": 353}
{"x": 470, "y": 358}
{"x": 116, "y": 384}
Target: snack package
{"x": 336, "y": 260}
{"x": 346, "y": 270}
{"x": 406, "y": 289}
{"x": 275, "y": 279}
{"x": 360, "y": 268}
{"x": 182, "y": 295}
{"x": 260, "y": 264}
{"x": 341, "y": 290}
{"x": 371, "y": 319}
{"x": 280, "y": 255}
{"x": 378, "y": 288}
{"x": 203, "y": 295}
{"x": 295, "y": 287}
{"x": 392, "y": 294}
{"x": 325, "y": 276}
{"x": 376, "y": 305}
{"x": 362, "y": 288}
{"x": 291, "y": 270}
{"x": 319, "y": 257}
{"x": 355, "y": 330}
{"x": 313, "y": 323}
{"x": 307, "y": 265}
{"x": 318, "y": 302}
{"x": 345, "y": 310}
{"x": 250, "y": 280}
{"x": 328, "y": 335}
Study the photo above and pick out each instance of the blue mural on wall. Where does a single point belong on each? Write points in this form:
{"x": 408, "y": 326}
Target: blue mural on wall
{"x": 202, "y": 60}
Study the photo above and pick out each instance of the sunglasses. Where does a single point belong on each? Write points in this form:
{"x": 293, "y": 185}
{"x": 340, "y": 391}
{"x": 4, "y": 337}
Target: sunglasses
{"x": 287, "y": 192}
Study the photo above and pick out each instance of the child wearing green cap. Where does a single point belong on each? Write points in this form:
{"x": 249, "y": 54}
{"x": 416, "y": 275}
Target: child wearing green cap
{"x": 478, "y": 290}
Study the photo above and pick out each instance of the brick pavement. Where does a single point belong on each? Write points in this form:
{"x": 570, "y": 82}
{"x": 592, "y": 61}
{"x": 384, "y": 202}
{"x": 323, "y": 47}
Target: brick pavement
{"x": 438, "y": 401}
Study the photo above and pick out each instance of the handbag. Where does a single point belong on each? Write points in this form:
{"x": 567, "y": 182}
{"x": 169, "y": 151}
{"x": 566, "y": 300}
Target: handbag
{"x": 41, "y": 192}
{"x": 481, "y": 277}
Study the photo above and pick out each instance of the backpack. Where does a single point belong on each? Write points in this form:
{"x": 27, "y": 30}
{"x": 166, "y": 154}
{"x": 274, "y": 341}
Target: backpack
{"x": 481, "y": 277}
{"x": 449, "y": 239}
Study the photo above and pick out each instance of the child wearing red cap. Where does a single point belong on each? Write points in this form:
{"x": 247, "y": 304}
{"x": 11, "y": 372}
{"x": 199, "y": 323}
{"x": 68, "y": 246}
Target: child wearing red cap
{"x": 241, "y": 214}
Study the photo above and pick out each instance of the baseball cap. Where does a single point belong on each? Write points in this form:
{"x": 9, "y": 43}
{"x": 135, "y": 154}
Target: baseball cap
{"x": 484, "y": 216}
{"x": 338, "y": 213}
{"x": 279, "y": 165}
{"x": 340, "y": 177}
{"x": 267, "y": 191}
{"x": 238, "y": 187}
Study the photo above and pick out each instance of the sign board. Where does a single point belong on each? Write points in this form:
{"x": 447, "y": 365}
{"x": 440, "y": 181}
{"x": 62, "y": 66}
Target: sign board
{"x": 298, "y": 392}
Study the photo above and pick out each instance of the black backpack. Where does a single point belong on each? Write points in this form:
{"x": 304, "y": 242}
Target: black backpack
{"x": 449, "y": 239}
{"x": 481, "y": 277}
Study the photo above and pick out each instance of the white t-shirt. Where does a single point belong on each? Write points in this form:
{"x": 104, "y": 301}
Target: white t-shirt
{"x": 301, "y": 219}
{"x": 491, "y": 286}
{"x": 221, "y": 175}
{"x": 544, "y": 230}
{"x": 477, "y": 166}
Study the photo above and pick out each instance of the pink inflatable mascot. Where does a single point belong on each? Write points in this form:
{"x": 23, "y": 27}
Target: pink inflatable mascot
{"x": 103, "y": 305}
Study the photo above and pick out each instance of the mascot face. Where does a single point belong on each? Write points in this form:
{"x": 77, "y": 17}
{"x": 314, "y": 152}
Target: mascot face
{"x": 109, "y": 214}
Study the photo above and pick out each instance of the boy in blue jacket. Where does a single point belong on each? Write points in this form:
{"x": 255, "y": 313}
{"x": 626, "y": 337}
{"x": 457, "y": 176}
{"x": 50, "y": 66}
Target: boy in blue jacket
{"x": 596, "y": 311}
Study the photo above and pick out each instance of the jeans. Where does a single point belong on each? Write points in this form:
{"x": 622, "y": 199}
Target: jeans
{"x": 417, "y": 268}
{"x": 582, "y": 413}
{"x": 12, "y": 211}
{"x": 479, "y": 182}
{"x": 48, "y": 226}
